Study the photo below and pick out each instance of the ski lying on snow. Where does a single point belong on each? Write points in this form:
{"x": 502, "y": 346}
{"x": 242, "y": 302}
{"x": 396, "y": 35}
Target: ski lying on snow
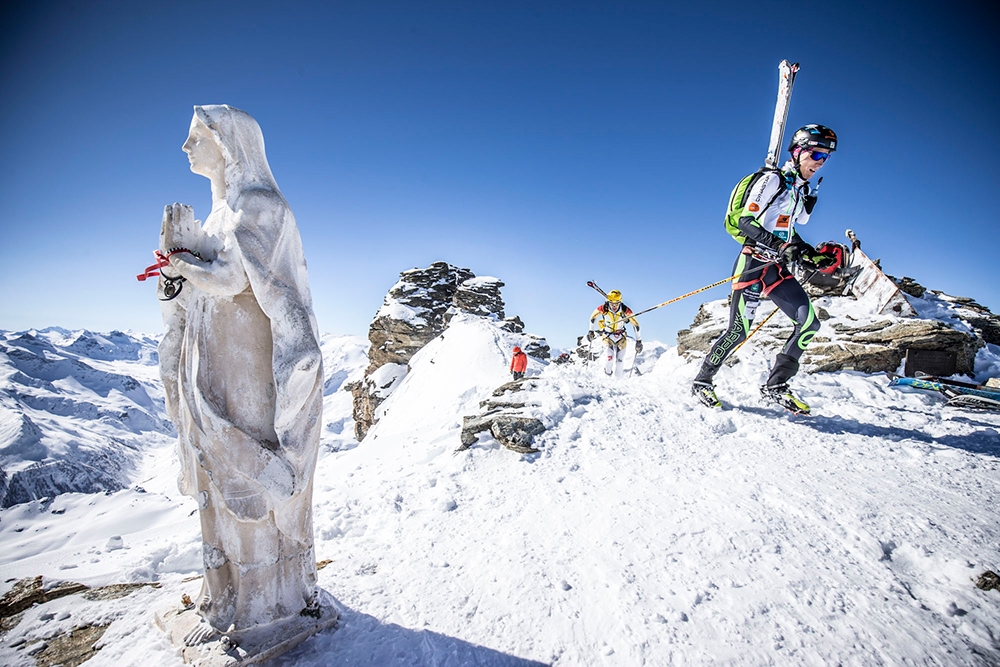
{"x": 965, "y": 394}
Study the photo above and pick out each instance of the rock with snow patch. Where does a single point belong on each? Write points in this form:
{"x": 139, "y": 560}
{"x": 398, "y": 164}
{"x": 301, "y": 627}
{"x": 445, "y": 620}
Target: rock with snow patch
{"x": 988, "y": 581}
{"x": 413, "y": 313}
{"x": 416, "y": 310}
{"x": 26, "y": 593}
{"x": 882, "y": 346}
{"x": 504, "y": 418}
{"x": 479, "y": 296}
{"x": 871, "y": 344}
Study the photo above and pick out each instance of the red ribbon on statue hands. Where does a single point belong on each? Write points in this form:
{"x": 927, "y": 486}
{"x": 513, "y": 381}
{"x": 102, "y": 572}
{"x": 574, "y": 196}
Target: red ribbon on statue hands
{"x": 154, "y": 269}
{"x": 161, "y": 261}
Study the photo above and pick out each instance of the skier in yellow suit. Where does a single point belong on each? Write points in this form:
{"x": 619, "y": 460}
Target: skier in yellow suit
{"x": 609, "y": 320}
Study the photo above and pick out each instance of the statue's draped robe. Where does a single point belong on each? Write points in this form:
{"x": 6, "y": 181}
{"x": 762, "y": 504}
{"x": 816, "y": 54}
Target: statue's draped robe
{"x": 242, "y": 369}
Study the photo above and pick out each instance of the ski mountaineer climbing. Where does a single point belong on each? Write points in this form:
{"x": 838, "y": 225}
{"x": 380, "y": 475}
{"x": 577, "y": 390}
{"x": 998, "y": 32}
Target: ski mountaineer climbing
{"x": 518, "y": 363}
{"x": 763, "y": 217}
{"x": 610, "y": 319}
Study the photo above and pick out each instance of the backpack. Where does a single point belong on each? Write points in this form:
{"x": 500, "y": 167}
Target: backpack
{"x": 840, "y": 254}
{"x": 621, "y": 311}
{"x": 737, "y": 200}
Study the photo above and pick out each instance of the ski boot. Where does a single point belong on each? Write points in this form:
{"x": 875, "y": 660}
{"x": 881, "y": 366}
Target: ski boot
{"x": 705, "y": 392}
{"x": 781, "y": 394}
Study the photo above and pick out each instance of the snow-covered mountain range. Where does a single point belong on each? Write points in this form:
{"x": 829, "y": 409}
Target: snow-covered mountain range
{"x": 646, "y": 530}
{"x": 77, "y": 411}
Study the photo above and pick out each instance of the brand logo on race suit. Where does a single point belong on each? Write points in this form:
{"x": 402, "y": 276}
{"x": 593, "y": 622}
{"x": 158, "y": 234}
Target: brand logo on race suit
{"x": 760, "y": 190}
{"x": 754, "y": 207}
{"x": 781, "y": 227}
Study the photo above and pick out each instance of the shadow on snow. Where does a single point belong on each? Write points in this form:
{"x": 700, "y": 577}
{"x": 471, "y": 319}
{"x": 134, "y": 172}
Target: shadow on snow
{"x": 361, "y": 639}
{"x": 985, "y": 441}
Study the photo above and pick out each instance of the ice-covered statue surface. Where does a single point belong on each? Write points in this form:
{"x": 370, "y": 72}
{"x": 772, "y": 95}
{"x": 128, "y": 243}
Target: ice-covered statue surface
{"x": 242, "y": 369}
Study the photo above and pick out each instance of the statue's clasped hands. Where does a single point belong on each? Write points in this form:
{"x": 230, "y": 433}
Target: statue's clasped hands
{"x": 180, "y": 231}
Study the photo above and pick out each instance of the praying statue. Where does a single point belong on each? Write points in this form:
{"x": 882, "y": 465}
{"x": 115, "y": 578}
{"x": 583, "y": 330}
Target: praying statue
{"x": 243, "y": 375}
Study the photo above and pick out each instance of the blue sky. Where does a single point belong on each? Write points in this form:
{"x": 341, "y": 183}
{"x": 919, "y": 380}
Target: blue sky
{"x": 545, "y": 144}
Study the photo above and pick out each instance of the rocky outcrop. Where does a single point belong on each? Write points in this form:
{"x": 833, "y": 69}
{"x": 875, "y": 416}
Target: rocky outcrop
{"x": 503, "y": 419}
{"x": 413, "y": 313}
{"x": 882, "y": 346}
{"x": 478, "y": 296}
{"x": 416, "y": 310}
{"x": 874, "y": 344}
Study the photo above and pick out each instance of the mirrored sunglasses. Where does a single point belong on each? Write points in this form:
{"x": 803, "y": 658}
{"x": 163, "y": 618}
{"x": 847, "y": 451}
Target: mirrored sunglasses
{"x": 819, "y": 157}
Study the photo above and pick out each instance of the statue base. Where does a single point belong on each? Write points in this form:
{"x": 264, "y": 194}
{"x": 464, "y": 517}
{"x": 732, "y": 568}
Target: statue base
{"x": 203, "y": 646}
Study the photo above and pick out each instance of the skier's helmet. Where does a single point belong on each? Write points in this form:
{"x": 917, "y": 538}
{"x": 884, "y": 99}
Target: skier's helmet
{"x": 813, "y": 136}
{"x": 614, "y": 296}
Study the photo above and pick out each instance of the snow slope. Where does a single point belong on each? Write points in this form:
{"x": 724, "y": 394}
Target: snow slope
{"x": 648, "y": 530}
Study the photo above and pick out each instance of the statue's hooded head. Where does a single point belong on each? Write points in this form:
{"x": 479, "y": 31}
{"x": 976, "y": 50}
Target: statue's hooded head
{"x": 242, "y": 145}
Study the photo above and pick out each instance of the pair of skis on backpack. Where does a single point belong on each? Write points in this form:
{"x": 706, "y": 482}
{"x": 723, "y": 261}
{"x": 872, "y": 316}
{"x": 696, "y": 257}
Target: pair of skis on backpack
{"x": 780, "y": 395}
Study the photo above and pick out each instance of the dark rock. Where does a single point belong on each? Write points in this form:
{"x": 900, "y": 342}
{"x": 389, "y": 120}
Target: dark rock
{"x": 115, "y": 591}
{"x": 514, "y": 386}
{"x": 517, "y": 433}
{"x": 988, "y": 328}
{"x": 513, "y": 325}
{"x": 473, "y": 425}
{"x": 503, "y": 418}
{"x": 537, "y": 348}
{"x": 416, "y": 310}
{"x": 988, "y": 581}
{"x": 28, "y": 592}
{"x": 882, "y": 347}
{"x": 71, "y": 648}
{"x": 910, "y": 286}
{"x": 424, "y": 297}
{"x": 479, "y": 296}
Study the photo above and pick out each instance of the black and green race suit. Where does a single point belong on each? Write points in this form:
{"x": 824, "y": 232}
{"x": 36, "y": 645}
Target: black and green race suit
{"x": 758, "y": 278}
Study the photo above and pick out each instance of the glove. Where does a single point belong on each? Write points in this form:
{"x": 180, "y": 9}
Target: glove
{"x": 590, "y": 335}
{"x": 822, "y": 260}
{"x": 809, "y": 202}
{"x": 791, "y": 253}
{"x": 638, "y": 346}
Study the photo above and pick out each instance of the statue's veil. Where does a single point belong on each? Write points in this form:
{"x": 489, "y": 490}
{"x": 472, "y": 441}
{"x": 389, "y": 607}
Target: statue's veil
{"x": 242, "y": 145}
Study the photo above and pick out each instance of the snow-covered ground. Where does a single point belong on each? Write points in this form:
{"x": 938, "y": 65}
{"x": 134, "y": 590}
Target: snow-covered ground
{"x": 647, "y": 531}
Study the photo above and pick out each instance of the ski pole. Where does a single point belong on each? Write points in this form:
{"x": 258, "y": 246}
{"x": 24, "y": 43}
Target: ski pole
{"x": 769, "y": 316}
{"x": 855, "y": 243}
{"x": 697, "y": 291}
{"x": 684, "y": 296}
{"x": 635, "y": 356}
{"x": 755, "y": 330}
